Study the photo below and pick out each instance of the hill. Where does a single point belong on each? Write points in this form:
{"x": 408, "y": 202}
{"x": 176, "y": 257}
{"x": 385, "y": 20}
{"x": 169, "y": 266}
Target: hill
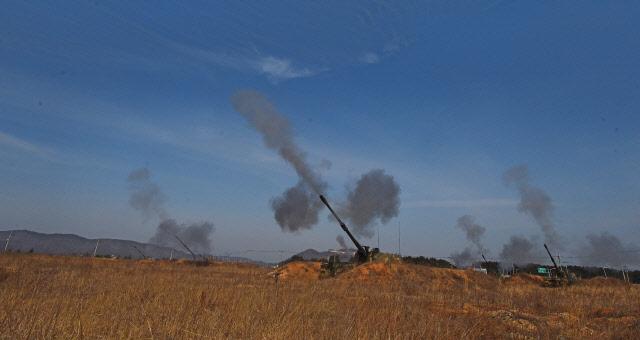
{"x": 71, "y": 244}
{"x": 312, "y": 254}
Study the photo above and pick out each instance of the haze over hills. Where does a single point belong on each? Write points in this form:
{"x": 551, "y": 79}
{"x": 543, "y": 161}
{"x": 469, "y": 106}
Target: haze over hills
{"x": 312, "y": 254}
{"x": 71, "y": 244}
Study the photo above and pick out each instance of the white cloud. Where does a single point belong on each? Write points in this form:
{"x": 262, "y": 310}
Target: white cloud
{"x": 276, "y": 69}
{"x": 281, "y": 69}
{"x": 370, "y": 58}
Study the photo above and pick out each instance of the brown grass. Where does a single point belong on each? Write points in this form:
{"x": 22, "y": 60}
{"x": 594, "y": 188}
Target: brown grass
{"x": 69, "y": 297}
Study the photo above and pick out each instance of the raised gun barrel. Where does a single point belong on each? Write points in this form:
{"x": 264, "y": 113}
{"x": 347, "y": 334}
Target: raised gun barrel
{"x": 555, "y": 265}
{"x": 485, "y": 260}
{"x": 186, "y": 247}
{"x": 140, "y": 252}
{"x": 363, "y": 253}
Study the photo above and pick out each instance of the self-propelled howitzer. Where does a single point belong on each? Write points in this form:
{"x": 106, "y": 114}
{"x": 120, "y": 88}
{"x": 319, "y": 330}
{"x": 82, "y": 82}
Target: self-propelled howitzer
{"x": 560, "y": 276}
{"x": 363, "y": 253}
{"x": 555, "y": 265}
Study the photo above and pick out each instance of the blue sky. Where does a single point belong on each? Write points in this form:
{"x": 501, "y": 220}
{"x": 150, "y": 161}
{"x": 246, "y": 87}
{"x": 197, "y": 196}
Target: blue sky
{"x": 443, "y": 95}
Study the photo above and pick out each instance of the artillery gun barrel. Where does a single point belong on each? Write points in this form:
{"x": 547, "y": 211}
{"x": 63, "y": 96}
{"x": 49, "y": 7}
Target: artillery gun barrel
{"x": 185, "y": 246}
{"x": 361, "y": 249}
{"x": 555, "y": 265}
{"x": 140, "y": 252}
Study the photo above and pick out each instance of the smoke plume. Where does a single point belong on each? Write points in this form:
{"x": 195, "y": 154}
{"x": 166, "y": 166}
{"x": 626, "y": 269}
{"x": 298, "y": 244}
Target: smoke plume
{"x": 341, "y": 242}
{"x": 607, "y": 250}
{"x": 464, "y": 258}
{"x": 519, "y": 250}
{"x": 197, "y": 236}
{"x": 298, "y": 207}
{"x": 534, "y": 202}
{"x": 375, "y": 197}
{"x": 276, "y": 133}
{"x": 147, "y": 197}
{"x": 472, "y": 230}
{"x": 474, "y": 233}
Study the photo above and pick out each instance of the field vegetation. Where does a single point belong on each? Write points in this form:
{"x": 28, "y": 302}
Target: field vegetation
{"x": 51, "y": 297}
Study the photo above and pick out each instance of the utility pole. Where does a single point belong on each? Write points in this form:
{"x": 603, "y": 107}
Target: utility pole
{"x": 171, "y": 257}
{"x": 95, "y": 251}
{"x": 399, "y": 249}
{"x": 378, "y": 232}
{"x": 6, "y": 245}
{"x": 625, "y": 274}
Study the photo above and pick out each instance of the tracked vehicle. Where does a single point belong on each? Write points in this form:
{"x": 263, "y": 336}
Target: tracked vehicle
{"x": 558, "y": 276}
{"x": 333, "y": 266}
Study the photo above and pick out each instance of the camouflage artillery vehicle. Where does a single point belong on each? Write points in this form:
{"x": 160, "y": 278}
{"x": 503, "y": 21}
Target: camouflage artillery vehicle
{"x": 558, "y": 276}
{"x": 333, "y": 266}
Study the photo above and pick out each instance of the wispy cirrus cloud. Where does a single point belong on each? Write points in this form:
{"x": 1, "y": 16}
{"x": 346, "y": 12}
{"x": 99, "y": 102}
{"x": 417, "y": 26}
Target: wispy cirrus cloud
{"x": 17, "y": 143}
{"x": 370, "y": 58}
{"x": 463, "y": 203}
{"x": 282, "y": 69}
{"x": 112, "y": 121}
{"x": 275, "y": 68}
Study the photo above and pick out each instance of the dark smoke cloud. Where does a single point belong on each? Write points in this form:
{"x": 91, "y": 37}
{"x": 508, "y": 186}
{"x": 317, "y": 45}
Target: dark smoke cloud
{"x": 464, "y": 258}
{"x": 341, "y": 242}
{"x": 472, "y": 230}
{"x": 375, "y": 197}
{"x": 534, "y": 202}
{"x": 607, "y": 250}
{"x": 325, "y": 164}
{"x": 197, "y": 236}
{"x": 519, "y": 250}
{"x": 298, "y": 207}
{"x": 474, "y": 233}
{"x": 276, "y": 133}
{"x": 146, "y": 196}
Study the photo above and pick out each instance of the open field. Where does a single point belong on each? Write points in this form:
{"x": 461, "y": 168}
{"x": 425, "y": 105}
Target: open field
{"x": 72, "y": 297}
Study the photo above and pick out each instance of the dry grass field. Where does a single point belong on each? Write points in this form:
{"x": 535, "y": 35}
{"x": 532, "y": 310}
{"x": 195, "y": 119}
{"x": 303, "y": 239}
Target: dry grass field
{"x": 50, "y": 297}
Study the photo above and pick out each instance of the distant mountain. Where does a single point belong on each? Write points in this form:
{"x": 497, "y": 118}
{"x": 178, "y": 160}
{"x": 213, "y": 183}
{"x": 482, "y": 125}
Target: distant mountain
{"x": 71, "y": 244}
{"x": 312, "y": 254}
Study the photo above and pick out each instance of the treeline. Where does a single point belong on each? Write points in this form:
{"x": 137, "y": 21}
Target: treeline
{"x": 579, "y": 271}
{"x": 428, "y": 261}
{"x": 496, "y": 268}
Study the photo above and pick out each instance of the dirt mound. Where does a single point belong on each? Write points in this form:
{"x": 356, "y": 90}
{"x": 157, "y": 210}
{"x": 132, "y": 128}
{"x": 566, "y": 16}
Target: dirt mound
{"x": 442, "y": 277}
{"x": 394, "y": 271}
{"x": 371, "y": 271}
{"x": 300, "y": 270}
{"x": 524, "y": 279}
